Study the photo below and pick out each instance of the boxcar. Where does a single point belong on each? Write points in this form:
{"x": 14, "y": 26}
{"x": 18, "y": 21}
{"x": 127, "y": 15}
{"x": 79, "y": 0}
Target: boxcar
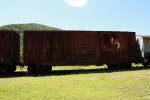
{"x": 9, "y": 50}
{"x": 43, "y": 49}
{"x": 144, "y": 44}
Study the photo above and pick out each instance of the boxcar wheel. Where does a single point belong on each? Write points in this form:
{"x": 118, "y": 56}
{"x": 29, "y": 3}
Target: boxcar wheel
{"x": 9, "y": 69}
{"x": 1, "y": 69}
{"x": 50, "y": 68}
{"x": 47, "y": 69}
{"x": 112, "y": 66}
{"x": 145, "y": 65}
{"x": 32, "y": 69}
{"x": 128, "y": 65}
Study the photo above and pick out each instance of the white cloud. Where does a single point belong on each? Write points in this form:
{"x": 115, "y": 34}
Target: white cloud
{"x": 76, "y": 3}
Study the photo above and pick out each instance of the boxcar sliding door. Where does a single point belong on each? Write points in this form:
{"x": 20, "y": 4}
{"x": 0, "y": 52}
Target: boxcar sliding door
{"x": 84, "y": 48}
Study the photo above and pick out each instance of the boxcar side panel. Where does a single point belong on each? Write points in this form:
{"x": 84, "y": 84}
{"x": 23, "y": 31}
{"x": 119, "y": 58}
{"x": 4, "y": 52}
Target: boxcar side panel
{"x": 15, "y": 48}
{"x": 62, "y": 46}
{"x": 78, "y": 47}
{"x": 118, "y": 47}
{"x": 5, "y": 47}
{"x": 84, "y": 47}
{"x": 9, "y": 48}
{"x": 47, "y": 48}
{"x": 38, "y": 47}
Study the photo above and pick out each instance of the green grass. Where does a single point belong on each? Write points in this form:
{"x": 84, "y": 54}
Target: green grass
{"x": 86, "y": 83}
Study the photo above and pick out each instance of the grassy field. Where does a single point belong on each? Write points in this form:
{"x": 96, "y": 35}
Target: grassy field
{"x": 78, "y": 83}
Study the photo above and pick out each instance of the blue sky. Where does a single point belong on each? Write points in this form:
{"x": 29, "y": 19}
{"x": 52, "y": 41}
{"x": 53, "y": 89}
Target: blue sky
{"x": 105, "y": 15}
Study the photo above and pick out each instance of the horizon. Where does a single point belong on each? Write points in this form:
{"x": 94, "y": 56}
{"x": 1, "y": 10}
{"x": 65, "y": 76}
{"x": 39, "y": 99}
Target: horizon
{"x": 66, "y": 29}
{"x": 102, "y": 15}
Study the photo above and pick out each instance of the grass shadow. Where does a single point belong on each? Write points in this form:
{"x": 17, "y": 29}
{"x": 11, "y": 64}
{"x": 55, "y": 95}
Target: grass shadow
{"x": 89, "y": 71}
{"x": 69, "y": 72}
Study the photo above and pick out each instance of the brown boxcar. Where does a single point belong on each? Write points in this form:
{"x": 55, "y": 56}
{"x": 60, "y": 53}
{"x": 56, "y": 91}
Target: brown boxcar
{"x": 50, "y": 48}
{"x": 9, "y": 50}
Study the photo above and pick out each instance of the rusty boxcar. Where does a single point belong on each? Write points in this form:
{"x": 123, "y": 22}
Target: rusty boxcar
{"x": 9, "y": 50}
{"x": 44, "y": 49}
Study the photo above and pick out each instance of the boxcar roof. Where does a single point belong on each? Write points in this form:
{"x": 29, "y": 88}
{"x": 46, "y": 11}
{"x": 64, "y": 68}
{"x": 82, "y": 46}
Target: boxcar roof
{"x": 78, "y": 31}
{"x": 7, "y": 31}
{"x": 145, "y": 36}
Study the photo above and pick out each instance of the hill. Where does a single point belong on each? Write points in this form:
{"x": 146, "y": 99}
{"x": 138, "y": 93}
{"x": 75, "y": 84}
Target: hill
{"x": 26, "y": 27}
